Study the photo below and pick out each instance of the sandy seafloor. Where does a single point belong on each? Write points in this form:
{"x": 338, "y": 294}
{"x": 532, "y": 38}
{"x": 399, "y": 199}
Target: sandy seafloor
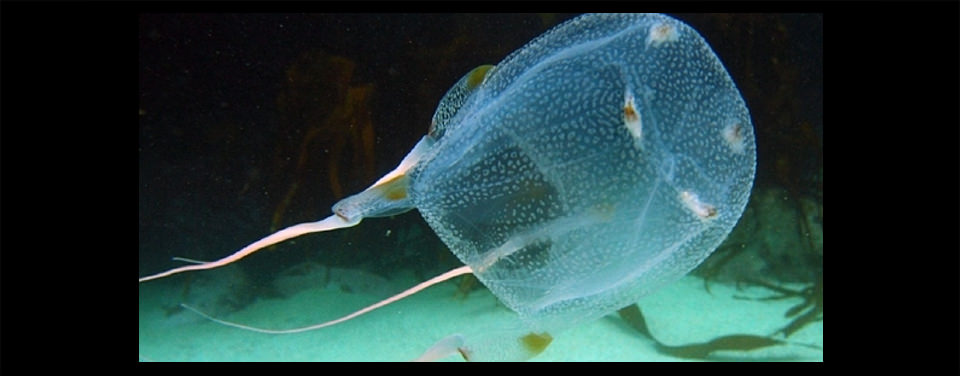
{"x": 681, "y": 313}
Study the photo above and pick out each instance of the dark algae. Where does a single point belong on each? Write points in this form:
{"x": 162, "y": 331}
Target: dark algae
{"x": 736, "y": 342}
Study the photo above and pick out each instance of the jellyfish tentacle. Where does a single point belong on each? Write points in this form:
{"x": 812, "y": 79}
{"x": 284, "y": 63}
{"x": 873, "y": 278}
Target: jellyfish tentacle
{"x": 332, "y": 222}
{"x": 413, "y": 290}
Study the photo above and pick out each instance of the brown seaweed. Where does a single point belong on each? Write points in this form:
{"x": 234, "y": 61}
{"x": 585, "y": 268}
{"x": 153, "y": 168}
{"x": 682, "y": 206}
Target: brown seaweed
{"x": 736, "y": 342}
{"x": 811, "y": 307}
{"x": 813, "y": 299}
{"x": 632, "y": 315}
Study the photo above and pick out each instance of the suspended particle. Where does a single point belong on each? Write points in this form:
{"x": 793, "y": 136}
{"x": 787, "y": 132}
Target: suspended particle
{"x": 702, "y": 210}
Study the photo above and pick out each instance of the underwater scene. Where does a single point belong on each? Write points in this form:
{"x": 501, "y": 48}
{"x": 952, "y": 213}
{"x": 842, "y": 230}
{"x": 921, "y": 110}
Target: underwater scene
{"x": 601, "y": 187}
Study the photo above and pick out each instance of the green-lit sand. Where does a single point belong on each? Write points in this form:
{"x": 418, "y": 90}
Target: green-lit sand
{"x": 681, "y": 313}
